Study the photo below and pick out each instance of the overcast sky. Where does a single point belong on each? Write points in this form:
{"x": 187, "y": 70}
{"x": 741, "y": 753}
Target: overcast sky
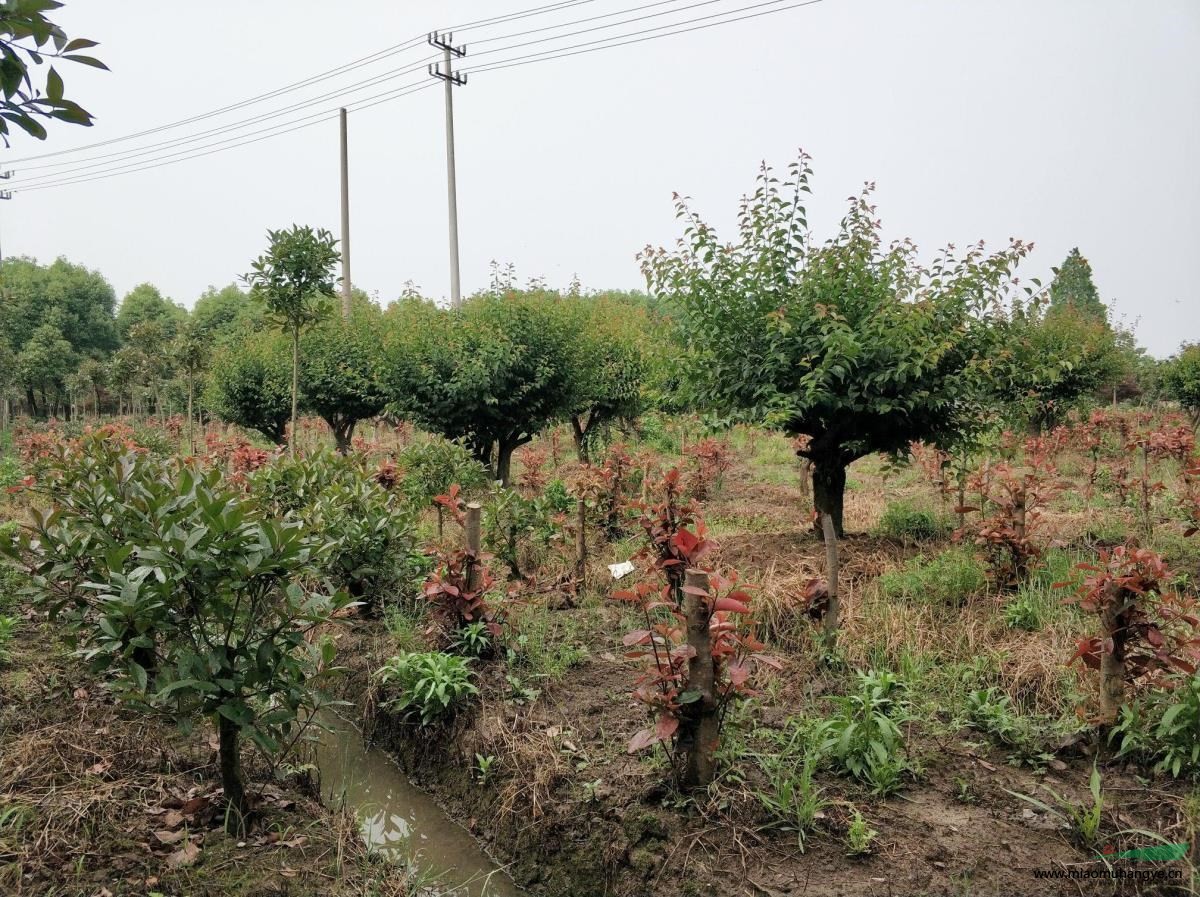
{"x": 1065, "y": 122}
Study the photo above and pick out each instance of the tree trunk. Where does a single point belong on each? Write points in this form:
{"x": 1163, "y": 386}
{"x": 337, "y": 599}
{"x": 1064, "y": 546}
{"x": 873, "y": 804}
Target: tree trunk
{"x": 1112, "y": 663}
{"x": 580, "y": 436}
{"x": 829, "y": 492}
{"x": 191, "y": 432}
{"x": 833, "y": 612}
{"x": 580, "y": 546}
{"x": 343, "y": 434}
{"x": 701, "y": 722}
{"x": 295, "y": 388}
{"x": 231, "y": 776}
{"x": 504, "y": 455}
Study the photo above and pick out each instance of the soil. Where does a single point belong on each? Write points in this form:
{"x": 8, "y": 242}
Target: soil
{"x": 99, "y": 801}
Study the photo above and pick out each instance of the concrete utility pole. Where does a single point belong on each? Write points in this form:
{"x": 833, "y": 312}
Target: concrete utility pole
{"x": 5, "y": 194}
{"x": 345, "y": 219}
{"x": 444, "y": 43}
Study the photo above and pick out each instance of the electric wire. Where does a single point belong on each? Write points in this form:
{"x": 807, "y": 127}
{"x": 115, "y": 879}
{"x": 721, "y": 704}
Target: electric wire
{"x": 612, "y": 41}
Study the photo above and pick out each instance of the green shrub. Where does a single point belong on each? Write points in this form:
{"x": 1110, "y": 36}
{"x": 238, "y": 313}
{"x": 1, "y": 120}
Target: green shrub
{"x": 1164, "y": 729}
{"x": 10, "y": 471}
{"x": 863, "y": 738}
{"x": 902, "y": 521}
{"x": 947, "y": 578}
{"x": 429, "y": 684}
{"x": 432, "y": 467}
{"x": 375, "y": 555}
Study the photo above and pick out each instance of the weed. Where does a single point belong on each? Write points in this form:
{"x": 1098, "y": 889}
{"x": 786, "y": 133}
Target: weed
{"x": 859, "y": 836}
{"x": 948, "y": 578}
{"x": 791, "y": 799}
{"x": 483, "y": 768}
{"x": 472, "y": 640}
{"x": 7, "y": 625}
{"x": 907, "y": 523}
{"x": 429, "y": 684}
{"x": 863, "y": 736}
{"x": 1085, "y": 819}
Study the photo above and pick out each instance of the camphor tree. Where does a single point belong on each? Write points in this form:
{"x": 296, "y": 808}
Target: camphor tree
{"x": 850, "y": 343}
{"x": 493, "y": 373}
{"x": 1181, "y": 379}
{"x": 295, "y": 279}
{"x": 27, "y": 39}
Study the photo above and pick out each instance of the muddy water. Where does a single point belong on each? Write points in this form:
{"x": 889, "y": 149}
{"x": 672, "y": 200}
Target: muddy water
{"x": 401, "y": 821}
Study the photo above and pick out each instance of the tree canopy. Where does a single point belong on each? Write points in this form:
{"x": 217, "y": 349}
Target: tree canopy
{"x": 494, "y": 372}
{"x": 850, "y": 343}
{"x": 1073, "y": 285}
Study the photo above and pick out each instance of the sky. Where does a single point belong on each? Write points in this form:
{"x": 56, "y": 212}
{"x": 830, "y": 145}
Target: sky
{"x": 1066, "y": 123}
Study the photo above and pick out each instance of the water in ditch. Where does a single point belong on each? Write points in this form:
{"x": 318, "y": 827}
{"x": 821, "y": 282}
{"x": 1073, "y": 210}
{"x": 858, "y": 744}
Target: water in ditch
{"x": 400, "y": 820}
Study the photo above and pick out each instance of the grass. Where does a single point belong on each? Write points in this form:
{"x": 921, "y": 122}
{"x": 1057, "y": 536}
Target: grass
{"x": 905, "y": 522}
{"x": 949, "y": 578}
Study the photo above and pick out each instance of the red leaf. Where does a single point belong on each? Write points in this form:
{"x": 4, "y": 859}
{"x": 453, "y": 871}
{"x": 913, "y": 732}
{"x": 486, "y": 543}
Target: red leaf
{"x": 641, "y": 741}
{"x": 731, "y": 606}
{"x": 637, "y": 637}
{"x": 667, "y": 724}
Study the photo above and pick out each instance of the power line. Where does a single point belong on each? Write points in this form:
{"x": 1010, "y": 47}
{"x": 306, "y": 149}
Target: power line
{"x": 615, "y": 40}
{"x": 287, "y": 88}
{"x": 106, "y": 160}
{"x": 667, "y": 30}
{"x": 317, "y": 118}
{"x": 100, "y": 161}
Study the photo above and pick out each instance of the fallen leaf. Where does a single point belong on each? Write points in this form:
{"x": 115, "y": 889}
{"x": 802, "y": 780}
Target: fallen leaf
{"x": 195, "y": 805}
{"x": 173, "y": 819}
{"x": 100, "y": 768}
{"x": 986, "y": 765}
{"x": 184, "y": 856}
{"x": 169, "y": 837}
{"x": 288, "y": 872}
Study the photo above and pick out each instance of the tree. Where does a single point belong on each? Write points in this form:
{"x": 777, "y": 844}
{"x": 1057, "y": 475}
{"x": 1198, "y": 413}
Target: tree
{"x": 848, "y": 343}
{"x": 187, "y": 593}
{"x": 1050, "y": 359}
{"x": 494, "y": 372}
{"x": 1073, "y": 285}
{"x": 1181, "y": 379}
{"x": 143, "y": 304}
{"x": 43, "y": 366}
{"x": 295, "y": 279}
{"x": 92, "y": 376}
{"x": 152, "y": 344}
{"x": 340, "y": 373}
{"x": 225, "y": 314}
{"x": 609, "y": 365}
{"x": 77, "y": 301}
{"x": 28, "y": 38}
{"x": 248, "y": 385}
{"x": 190, "y": 353}
{"x": 8, "y": 379}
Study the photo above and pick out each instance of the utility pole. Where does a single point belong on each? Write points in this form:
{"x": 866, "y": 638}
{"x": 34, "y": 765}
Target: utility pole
{"x": 452, "y": 80}
{"x": 345, "y": 219}
{"x": 5, "y": 194}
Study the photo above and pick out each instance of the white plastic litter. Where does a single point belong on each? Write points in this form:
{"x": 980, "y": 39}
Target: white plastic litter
{"x": 622, "y": 569}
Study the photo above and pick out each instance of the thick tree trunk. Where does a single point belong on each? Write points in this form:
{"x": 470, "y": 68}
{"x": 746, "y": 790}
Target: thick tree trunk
{"x": 231, "y": 776}
{"x": 829, "y": 491}
{"x": 834, "y": 609}
{"x": 701, "y": 724}
{"x": 580, "y": 436}
{"x": 504, "y": 455}
{"x": 343, "y": 434}
{"x": 1112, "y": 663}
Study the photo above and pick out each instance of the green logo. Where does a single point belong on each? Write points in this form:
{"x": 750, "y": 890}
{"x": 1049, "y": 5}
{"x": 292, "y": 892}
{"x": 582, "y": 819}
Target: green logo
{"x": 1160, "y": 853}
